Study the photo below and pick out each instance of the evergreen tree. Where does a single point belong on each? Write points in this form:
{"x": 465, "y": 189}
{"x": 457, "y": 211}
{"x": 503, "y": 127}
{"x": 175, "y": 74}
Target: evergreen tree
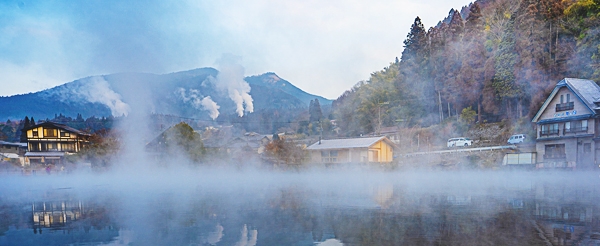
{"x": 583, "y": 22}
{"x": 504, "y": 83}
{"x": 455, "y": 26}
{"x": 415, "y": 42}
{"x": 531, "y": 61}
{"x": 452, "y": 59}
{"x": 314, "y": 111}
{"x": 413, "y": 80}
{"x": 20, "y": 134}
{"x": 472, "y": 74}
{"x": 27, "y": 123}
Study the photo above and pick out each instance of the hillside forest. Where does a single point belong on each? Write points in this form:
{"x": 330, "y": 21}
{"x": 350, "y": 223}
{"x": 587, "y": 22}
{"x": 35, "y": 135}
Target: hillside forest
{"x": 492, "y": 61}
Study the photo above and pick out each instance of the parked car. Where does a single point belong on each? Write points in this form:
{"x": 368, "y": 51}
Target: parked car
{"x": 454, "y": 142}
{"x": 516, "y": 139}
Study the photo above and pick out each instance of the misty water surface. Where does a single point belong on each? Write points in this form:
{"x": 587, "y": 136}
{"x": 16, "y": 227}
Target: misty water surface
{"x": 324, "y": 207}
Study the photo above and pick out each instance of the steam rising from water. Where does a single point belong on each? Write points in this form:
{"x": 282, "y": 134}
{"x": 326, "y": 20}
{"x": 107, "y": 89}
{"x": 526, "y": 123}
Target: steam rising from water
{"x": 231, "y": 80}
{"x": 157, "y": 205}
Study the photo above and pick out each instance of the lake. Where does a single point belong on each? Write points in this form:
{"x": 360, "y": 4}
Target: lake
{"x": 311, "y": 207}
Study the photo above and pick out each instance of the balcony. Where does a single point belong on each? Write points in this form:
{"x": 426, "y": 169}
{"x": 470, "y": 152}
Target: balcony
{"x": 565, "y": 106}
{"x": 576, "y": 129}
{"x": 550, "y": 132}
{"x": 555, "y": 156}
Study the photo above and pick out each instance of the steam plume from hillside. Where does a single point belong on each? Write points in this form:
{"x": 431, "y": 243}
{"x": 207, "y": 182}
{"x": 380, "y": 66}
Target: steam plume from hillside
{"x": 231, "y": 80}
{"x": 94, "y": 90}
{"x": 199, "y": 102}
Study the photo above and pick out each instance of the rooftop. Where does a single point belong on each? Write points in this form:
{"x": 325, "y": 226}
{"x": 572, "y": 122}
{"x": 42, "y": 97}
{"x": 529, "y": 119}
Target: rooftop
{"x": 347, "y": 143}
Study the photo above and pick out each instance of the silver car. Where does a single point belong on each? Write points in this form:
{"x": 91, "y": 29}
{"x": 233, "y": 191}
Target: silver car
{"x": 516, "y": 139}
{"x": 459, "y": 142}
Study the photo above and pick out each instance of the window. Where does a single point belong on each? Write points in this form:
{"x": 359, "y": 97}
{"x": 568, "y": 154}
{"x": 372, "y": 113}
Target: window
{"x": 34, "y": 133}
{"x": 555, "y": 151}
{"x": 52, "y": 146}
{"x": 565, "y": 106}
{"x": 64, "y": 134}
{"x": 68, "y": 147}
{"x": 549, "y": 129}
{"x": 50, "y": 133}
{"x": 34, "y": 147}
{"x": 576, "y": 126}
{"x": 329, "y": 156}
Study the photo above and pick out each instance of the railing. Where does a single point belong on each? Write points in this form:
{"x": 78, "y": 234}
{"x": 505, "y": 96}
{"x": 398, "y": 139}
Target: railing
{"x": 555, "y": 156}
{"x": 460, "y": 150}
{"x": 549, "y": 132}
{"x": 576, "y": 129}
{"x": 565, "y": 106}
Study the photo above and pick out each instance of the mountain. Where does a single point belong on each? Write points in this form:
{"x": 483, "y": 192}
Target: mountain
{"x": 274, "y": 82}
{"x": 202, "y": 93}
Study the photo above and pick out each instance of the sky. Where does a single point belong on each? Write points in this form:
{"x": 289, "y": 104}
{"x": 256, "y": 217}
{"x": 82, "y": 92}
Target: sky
{"x": 322, "y": 47}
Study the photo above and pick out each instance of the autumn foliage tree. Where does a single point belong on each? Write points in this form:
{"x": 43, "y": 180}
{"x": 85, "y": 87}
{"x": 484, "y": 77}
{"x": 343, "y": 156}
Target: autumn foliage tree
{"x": 103, "y": 149}
{"x": 282, "y": 151}
{"x": 500, "y": 58}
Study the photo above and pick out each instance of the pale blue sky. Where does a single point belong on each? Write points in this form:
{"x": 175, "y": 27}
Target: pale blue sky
{"x": 323, "y": 47}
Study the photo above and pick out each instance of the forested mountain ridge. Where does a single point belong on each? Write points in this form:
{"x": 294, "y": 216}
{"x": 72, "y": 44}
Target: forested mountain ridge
{"x": 496, "y": 58}
{"x": 196, "y": 93}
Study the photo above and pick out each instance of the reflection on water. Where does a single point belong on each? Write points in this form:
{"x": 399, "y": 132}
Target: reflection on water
{"x": 302, "y": 209}
{"x": 55, "y": 214}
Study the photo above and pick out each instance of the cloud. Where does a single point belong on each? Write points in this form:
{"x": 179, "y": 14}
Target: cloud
{"x": 231, "y": 80}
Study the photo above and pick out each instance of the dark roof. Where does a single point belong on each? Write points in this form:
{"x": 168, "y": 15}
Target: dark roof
{"x": 56, "y": 125}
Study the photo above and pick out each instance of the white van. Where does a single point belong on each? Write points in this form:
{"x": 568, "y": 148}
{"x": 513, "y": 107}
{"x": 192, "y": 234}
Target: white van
{"x": 455, "y": 142}
{"x": 516, "y": 139}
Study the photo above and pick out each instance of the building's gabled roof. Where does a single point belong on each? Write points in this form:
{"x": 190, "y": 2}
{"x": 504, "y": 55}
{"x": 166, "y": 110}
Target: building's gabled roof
{"x": 59, "y": 126}
{"x": 586, "y": 90}
{"x": 348, "y": 143}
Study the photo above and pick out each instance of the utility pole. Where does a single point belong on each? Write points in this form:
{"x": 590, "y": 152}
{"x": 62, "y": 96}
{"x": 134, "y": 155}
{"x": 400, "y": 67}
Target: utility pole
{"x": 379, "y": 117}
{"x": 441, "y": 111}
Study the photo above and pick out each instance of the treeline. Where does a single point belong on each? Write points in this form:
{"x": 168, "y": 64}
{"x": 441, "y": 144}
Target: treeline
{"x": 10, "y": 131}
{"x": 498, "y": 59}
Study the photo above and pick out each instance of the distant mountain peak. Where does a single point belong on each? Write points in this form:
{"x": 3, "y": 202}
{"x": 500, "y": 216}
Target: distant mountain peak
{"x": 268, "y": 78}
{"x": 191, "y": 93}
